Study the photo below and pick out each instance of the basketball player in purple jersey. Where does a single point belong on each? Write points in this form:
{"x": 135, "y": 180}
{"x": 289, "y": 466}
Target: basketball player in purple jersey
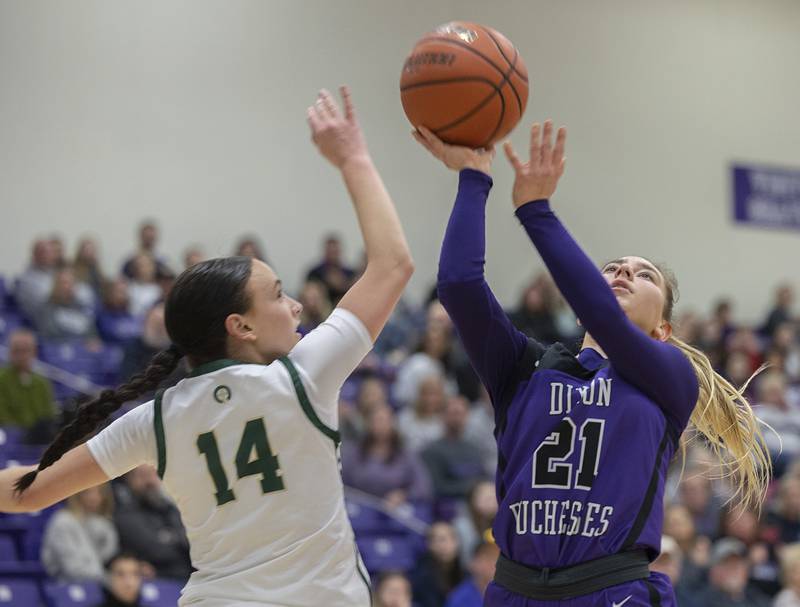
{"x": 584, "y": 442}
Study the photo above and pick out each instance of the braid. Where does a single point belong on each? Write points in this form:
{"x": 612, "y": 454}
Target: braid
{"x": 92, "y": 413}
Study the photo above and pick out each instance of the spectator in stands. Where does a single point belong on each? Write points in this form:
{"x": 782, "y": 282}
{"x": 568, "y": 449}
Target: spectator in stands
{"x": 678, "y": 524}
{"x": 781, "y": 311}
{"x": 785, "y": 342}
{"x": 482, "y": 566}
{"x": 80, "y": 538}
{"x": 57, "y": 246}
{"x": 34, "y": 286}
{"x": 380, "y": 465}
{"x": 438, "y": 570}
{"x": 143, "y": 290}
{"x": 149, "y": 525}
{"x": 773, "y": 408}
{"x": 392, "y": 590}
{"x": 26, "y": 398}
{"x": 63, "y": 316}
{"x": 331, "y": 271}
{"x": 148, "y": 240}
{"x": 728, "y": 577}
{"x": 738, "y": 371}
{"x": 670, "y": 563}
{"x": 87, "y": 267}
{"x": 421, "y": 424}
{"x": 432, "y": 357}
{"x": 115, "y": 322}
{"x": 192, "y": 256}
{"x": 696, "y": 493}
{"x": 316, "y": 305}
{"x": 746, "y": 341}
{"x": 785, "y": 517}
{"x": 790, "y": 576}
{"x": 723, "y": 315}
{"x": 480, "y": 429}
{"x": 154, "y": 338}
{"x": 475, "y": 518}
{"x": 250, "y": 246}
{"x": 536, "y": 313}
{"x": 371, "y": 394}
{"x": 744, "y": 524}
{"x": 123, "y": 583}
{"x": 454, "y": 463}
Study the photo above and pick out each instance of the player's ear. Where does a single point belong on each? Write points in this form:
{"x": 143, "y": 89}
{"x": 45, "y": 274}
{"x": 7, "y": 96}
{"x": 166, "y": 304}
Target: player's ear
{"x": 664, "y": 331}
{"x": 236, "y": 326}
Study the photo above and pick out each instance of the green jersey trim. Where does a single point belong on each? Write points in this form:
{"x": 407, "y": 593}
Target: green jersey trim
{"x": 306, "y": 404}
{"x": 161, "y": 442}
{"x": 214, "y": 365}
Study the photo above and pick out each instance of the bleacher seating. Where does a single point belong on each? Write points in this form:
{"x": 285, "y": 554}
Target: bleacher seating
{"x": 72, "y": 594}
{"x": 20, "y": 593}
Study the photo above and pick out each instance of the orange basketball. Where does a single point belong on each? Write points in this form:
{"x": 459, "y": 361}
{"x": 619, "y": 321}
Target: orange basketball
{"x": 466, "y": 83}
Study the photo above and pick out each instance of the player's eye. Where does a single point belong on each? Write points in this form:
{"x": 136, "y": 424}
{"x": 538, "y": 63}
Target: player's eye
{"x": 610, "y": 268}
{"x": 648, "y": 275}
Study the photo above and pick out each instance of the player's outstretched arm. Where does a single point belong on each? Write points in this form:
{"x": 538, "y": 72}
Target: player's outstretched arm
{"x": 659, "y": 369}
{"x": 492, "y": 343}
{"x": 339, "y": 138}
{"x": 73, "y": 473}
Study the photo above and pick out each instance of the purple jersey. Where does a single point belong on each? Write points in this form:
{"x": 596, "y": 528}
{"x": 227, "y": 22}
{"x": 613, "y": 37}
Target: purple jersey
{"x": 584, "y": 443}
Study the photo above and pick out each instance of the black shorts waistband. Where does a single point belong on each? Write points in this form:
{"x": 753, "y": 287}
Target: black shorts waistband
{"x": 568, "y": 582}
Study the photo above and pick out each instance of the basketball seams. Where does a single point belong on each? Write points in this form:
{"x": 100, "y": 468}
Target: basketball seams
{"x": 503, "y": 53}
{"x": 465, "y": 46}
{"x": 491, "y": 83}
{"x": 482, "y": 104}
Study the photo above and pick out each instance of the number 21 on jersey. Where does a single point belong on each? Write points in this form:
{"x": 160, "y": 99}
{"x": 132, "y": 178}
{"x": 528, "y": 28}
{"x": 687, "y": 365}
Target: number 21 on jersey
{"x": 254, "y": 438}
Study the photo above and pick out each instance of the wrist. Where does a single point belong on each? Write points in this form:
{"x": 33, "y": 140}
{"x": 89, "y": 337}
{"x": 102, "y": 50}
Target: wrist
{"x": 356, "y": 162}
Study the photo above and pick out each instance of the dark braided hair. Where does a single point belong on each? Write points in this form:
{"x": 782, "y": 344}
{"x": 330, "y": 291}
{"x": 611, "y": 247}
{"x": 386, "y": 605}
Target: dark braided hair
{"x": 198, "y": 304}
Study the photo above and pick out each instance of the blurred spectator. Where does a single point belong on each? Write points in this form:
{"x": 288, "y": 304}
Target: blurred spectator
{"x": 431, "y": 358}
{"x": 784, "y": 341}
{"x": 154, "y": 338}
{"x": 535, "y": 315}
{"x": 670, "y": 563}
{"x": 87, "y": 267}
{"x": 26, "y": 398}
{"x": 143, "y": 290}
{"x": 63, "y": 316}
{"x": 352, "y": 419}
{"x": 80, "y": 538}
{"x": 696, "y": 493}
{"x": 746, "y": 341}
{"x": 454, "y": 463}
{"x": 476, "y": 517}
{"x": 380, "y": 465}
{"x": 115, "y": 322}
{"x": 148, "y": 240}
{"x": 695, "y": 549}
{"x": 728, "y": 577}
{"x": 249, "y": 246}
{"x": 790, "y": 575}
{"x": 422, "y": 424}
{"x": 149, "y": 525}
{"x": 392, "y": 590}
{"x": 744, "y": 524}
{"x": 772, "y": 408}
{"x": 331, "y": 271}
{"x": 438, "y": 570}
{"x": 57, "y": 246}
{"x": 785, "y": 517}
{"x": 34, "y": 286}
{"x": 316, "y": 305}
{"x": 781, "y": 311}
{"x": 192, "y": 256}
{"x": 723, "y": 316}
{"x": 480, "y": 429}
{"x": 123, "y": 584}
{"x": 738, "y": 371}
{"x": 481, "y": 568}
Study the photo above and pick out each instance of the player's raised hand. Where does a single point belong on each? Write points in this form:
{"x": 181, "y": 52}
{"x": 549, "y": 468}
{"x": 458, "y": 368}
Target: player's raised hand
{"x": 538, "y": 178}
{"x": 336, "y": 134}
{"x": 455, "y": 157}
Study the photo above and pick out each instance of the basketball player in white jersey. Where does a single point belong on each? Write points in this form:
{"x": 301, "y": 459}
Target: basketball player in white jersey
{"x": 247, "y": 444}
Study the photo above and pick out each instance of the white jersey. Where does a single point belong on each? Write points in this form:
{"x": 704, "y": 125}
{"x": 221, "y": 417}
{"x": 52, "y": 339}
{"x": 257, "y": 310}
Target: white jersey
{"x": 249, "y": 453}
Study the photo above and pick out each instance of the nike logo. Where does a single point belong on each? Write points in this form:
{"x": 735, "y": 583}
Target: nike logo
{"x": 630, "y": 596}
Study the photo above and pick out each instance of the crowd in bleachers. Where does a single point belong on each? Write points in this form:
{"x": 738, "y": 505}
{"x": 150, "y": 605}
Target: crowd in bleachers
{"x": 418, "y": 455}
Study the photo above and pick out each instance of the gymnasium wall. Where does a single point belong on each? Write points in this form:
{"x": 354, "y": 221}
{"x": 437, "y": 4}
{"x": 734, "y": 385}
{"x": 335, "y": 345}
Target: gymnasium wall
{"x": 193, "y": 112}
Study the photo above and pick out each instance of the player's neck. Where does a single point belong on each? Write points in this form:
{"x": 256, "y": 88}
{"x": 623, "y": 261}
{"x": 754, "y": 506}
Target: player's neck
{"x": 589, "y": 342}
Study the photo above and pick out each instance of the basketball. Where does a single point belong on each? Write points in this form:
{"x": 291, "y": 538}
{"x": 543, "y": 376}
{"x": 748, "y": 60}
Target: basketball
{"x": 465, "y": 82}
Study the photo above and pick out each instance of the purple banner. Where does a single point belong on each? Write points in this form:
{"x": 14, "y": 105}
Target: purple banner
{"x": 766, "y": 196}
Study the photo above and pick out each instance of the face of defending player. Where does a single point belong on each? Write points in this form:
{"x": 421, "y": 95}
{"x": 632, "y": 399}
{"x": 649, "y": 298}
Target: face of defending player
{"x": 268, "y": 330}
{"x": 640, "y": 289}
